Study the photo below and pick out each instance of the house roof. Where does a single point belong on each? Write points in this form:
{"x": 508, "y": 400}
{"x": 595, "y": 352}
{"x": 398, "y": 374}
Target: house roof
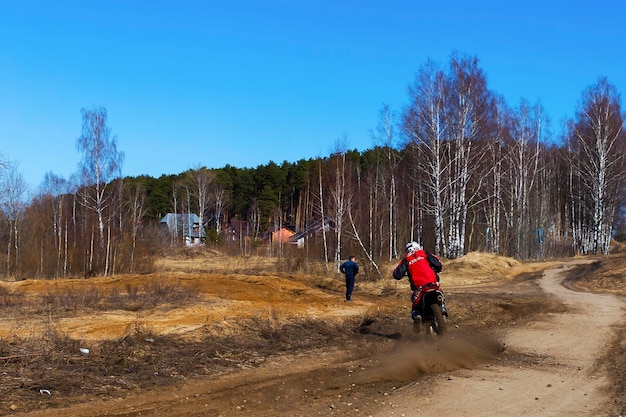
{"x": 177, "y": 223}
{"x": 311, "y": 228}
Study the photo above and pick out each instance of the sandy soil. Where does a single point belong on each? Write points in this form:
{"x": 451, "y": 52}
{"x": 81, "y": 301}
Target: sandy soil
{"x": 544, "y": 365}
{"x": 565, "y": 380}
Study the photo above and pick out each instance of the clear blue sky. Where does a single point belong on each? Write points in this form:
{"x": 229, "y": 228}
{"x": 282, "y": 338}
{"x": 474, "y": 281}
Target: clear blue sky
{"x": 206, "y": 83}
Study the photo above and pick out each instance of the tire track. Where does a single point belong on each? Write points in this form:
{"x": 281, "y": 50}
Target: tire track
{"x": 564, "y": 379}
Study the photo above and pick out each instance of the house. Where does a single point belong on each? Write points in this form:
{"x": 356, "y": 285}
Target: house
{"x": 238, "y": 230}
{"x": 282, "y": 235}
{"x": 311, "y": 230}
{"x": 187, "y": 226}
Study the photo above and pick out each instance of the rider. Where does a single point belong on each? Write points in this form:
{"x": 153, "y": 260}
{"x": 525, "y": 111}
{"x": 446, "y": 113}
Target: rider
{"x": 421, "y": 267}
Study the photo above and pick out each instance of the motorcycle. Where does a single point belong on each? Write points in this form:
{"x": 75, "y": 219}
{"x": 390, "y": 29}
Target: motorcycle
{"x": 429, "y": 309}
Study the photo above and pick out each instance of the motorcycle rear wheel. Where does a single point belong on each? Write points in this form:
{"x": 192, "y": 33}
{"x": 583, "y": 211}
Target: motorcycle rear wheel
{"x": 440, "y": 323}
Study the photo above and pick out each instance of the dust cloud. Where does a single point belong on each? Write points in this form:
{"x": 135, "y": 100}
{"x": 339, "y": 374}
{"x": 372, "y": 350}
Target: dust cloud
{"x": 417, "y": 356}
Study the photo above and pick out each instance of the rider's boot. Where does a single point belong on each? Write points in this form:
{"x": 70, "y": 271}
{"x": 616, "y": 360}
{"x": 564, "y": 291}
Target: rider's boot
{"x": 417, "y": 324}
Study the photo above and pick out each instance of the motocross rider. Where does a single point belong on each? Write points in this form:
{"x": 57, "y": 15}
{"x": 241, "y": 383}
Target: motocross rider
{"x": 422, "y": 268}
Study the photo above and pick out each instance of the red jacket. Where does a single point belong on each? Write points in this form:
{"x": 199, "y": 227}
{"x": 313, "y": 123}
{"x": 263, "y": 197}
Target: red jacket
{"x": 420, "y": 266}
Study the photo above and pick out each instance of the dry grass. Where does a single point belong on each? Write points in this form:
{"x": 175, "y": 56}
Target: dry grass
{"x": 605, "y": 275}
{"x": 205, "y": 314}
{"x": 190, "y": 260}
{"x": 52, "y": 362}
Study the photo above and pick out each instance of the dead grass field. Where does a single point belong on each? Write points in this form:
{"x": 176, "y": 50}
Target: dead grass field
{"x": 203, "y": 315}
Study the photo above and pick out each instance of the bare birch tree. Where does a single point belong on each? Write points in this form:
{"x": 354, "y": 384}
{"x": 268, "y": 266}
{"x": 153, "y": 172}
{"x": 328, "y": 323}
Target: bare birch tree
{"x": 385, "y": 135}
{"x": 220, "y": 199}
{"x": 175, "y": 197}
{"x": 59, "y": 191}
{"x": 13, "y": 201}
{"x": 598, "y": 140}
{"x": 136, "y": 205}
{"x": 254, "y": 217}
{"x": 322, "y": 214}
{"x": 466, "y": 118}
{"x": 494, "y": 193}
{"x": 448, "y": 114}
{"x": 524, "y": 156}
{"x": 202, "y": 180}
{"x": 101, "y": 162}
{"x": 340, "y": 197}
{"x": 424, "y": 125}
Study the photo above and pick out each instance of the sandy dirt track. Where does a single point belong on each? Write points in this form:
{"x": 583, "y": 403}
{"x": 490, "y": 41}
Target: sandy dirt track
{"x": 565, "y": 381}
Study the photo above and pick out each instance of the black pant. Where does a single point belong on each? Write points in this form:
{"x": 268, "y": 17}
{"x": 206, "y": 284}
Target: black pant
{"x": 349, "y": 286}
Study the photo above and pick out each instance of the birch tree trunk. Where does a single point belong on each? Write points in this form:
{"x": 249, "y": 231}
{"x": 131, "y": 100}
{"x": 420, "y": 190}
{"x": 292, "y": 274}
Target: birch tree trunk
{"x": 13, "y": 191}
{"x": 524, "y": 162}
{"x": 137, "y": 211}
{"x": 322, "y": 216}
{"x": 385, "y": 137}
{"x": 202, "y": 180}
{"x": 464, "y": 117}
{"x": 219, "y": 204}
{"x": 494, "y": 198}
{"x": 174, "y": 235}
{"x": 57, "y": 188}
{"x": 424, "y": 124}
{"x": 100, "y": 163}
{"x": 598, "y": 141}
{"x": 339, "y": 200}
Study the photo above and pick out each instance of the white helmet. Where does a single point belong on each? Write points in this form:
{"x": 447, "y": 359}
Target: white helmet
{"x": 412, "y": 247}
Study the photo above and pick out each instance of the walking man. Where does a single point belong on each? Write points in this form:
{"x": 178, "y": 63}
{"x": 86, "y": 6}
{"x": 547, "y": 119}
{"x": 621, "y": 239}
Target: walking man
{"x": 349, "y": 268}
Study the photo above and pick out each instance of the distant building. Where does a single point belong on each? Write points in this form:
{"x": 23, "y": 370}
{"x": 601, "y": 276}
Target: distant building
{"x": 282, "y": 235}
{"x": 186, "y": 226}
{"x": 238, "y": 230}
{"x": 313, "y": 229}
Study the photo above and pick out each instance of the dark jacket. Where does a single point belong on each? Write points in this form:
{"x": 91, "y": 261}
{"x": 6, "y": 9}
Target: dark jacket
{"x": 350, "y": 268}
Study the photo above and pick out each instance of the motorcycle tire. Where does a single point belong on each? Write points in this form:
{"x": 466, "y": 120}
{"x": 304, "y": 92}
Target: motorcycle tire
{"x": 440, "y": 323}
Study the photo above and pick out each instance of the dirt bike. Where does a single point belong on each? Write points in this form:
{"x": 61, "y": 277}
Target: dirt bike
{"x": 429, "y": 309}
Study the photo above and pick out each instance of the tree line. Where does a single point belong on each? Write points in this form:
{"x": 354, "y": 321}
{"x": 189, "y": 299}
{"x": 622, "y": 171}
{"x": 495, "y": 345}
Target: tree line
{"x": 457, "y": 169}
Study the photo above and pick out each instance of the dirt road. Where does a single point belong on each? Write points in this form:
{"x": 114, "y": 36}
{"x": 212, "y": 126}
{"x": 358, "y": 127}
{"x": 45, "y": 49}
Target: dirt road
{"x": 564, "y": 381}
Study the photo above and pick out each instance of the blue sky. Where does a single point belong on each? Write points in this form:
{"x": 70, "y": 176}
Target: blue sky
{"x": 207, "y": 83}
